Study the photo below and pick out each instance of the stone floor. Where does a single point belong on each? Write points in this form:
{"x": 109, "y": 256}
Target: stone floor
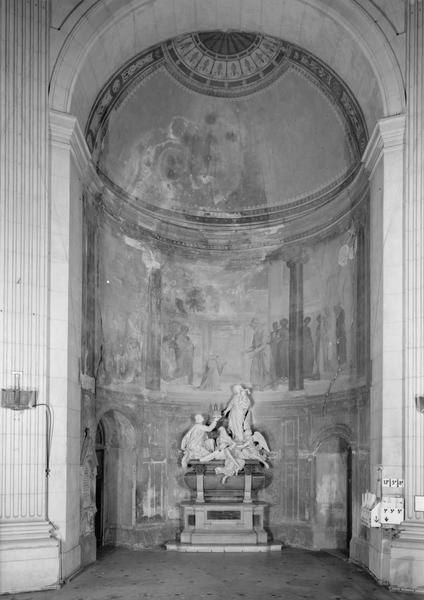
{"x": 156, "y": 574}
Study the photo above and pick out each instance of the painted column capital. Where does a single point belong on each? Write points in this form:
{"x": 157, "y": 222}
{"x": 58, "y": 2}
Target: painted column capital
{"x": 295, "y": 255}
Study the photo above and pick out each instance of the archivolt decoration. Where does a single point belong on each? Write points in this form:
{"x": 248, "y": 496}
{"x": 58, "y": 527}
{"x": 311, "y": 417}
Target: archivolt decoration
{"x": 228, "y": 64}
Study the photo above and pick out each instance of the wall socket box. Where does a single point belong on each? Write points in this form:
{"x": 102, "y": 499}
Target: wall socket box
{"x": 392, "y": 509}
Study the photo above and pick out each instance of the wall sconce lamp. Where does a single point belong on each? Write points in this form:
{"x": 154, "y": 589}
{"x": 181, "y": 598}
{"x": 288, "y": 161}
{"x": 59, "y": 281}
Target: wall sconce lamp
{"x": 419, "y": 403}
{"x": 15, "y": 397}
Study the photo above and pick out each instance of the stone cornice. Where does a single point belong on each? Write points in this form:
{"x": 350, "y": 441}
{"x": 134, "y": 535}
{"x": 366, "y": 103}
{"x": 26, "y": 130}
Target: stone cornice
{"x": 388, "y": 135}
{"x": 265, "y": 240}
{"x": 65, "y": 132}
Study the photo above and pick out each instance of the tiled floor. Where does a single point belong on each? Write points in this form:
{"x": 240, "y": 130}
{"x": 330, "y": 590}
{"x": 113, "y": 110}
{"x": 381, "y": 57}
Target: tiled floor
{"x": 157, "y": 574}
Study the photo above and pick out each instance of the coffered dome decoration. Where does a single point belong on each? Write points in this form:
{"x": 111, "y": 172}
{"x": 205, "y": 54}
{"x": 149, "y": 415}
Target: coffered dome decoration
{"x": 191, "y": 132}
{"x": 227, "y": 64}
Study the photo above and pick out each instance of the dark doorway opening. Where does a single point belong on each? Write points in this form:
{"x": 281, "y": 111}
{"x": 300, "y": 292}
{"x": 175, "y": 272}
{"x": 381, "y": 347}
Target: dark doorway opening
{"x": 100, "y": 454}
{"x": 349, "y": 499}
{"x": 333, "y": 495}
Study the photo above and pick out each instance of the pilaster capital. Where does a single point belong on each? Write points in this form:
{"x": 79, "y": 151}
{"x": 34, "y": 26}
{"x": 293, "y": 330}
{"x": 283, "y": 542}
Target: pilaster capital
{"x": 65, "y": 132}
{"x": 388, "y": 136}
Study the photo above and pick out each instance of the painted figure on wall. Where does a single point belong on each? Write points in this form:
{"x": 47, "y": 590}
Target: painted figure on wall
{"x": 259, "y": 374}
{"x": 184, "y": 355}
{"x": 283, "y": 350}
{"x": 211, "y": 378}
{"x": 341, "y": 345}
{"x": 167, "y": 367}
{"x": 308, "y": 349}
{"x": 318, "y": 349}
{"x": 274, "y": 337}
{"x": 326, "y": 340}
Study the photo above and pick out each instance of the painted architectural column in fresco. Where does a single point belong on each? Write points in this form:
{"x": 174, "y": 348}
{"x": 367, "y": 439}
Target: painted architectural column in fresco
{"x": 361, "y": 339}
{"x": 90, "y": 250}
{"x": 295, "y": 264}
{"x": 153, "y": 341}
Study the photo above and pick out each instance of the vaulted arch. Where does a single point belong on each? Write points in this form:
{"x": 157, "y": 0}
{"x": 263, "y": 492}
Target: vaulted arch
{"x": 98, "y": 37}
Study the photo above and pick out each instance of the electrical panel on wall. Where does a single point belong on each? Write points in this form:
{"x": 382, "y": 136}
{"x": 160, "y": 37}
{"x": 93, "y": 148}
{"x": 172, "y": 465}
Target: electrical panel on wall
{"x": 392, "y": 510}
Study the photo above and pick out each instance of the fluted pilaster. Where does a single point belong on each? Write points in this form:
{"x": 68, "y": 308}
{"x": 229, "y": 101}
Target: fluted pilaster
{"x": 28, "y": 554}
{"x": 24, "y": 214}
{"x": 414, "y": 261}
{"x": 23, "y": 192}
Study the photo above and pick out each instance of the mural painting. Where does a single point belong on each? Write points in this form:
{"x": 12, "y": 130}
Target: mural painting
{"x": 122, "y": 303}
{"x": 221, "y": 323}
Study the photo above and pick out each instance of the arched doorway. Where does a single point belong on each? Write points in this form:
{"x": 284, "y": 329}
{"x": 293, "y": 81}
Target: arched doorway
{"x": 333, "y": 495}
{"x": 115, "y": 482}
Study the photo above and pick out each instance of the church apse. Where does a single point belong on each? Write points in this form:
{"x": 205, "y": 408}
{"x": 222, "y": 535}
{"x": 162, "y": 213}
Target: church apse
{"x": 231, "y": 246}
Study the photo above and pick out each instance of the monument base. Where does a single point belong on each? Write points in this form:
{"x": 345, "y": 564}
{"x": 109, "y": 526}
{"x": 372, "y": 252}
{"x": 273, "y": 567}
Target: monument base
{"x": 224, "y": 517}
{"x": 223, "y": 527}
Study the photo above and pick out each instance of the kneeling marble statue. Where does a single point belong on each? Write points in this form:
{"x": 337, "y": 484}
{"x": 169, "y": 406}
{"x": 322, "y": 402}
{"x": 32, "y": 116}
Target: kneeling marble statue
{"x": 234, "y": 445}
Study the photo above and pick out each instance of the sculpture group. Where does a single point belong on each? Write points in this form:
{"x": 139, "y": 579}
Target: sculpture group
{"x": 235, "y": 442}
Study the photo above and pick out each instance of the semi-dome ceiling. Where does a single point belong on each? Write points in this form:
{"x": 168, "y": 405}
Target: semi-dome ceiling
{"x": 224, "y": 129}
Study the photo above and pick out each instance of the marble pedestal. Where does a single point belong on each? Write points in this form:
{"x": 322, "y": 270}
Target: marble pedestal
{"x": 223, "y": 517}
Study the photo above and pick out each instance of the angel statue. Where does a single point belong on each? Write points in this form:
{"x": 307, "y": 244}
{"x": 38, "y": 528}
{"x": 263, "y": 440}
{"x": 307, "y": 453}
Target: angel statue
{"x": 255, "y": 447}
{"x": 196, "y": 443}
{"x": 238, "y": 411}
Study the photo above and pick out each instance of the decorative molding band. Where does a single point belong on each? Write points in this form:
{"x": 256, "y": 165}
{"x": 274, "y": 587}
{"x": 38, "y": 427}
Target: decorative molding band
{"x": 255, "y": 245}
{"x": 24, "y": 531}
{"x": 388, "y": 135}
{"x": 267, "y": 215}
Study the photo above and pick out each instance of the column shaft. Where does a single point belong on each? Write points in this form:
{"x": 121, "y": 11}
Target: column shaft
{"x": 296, "y": 326}
{"x": 153, "y": 342}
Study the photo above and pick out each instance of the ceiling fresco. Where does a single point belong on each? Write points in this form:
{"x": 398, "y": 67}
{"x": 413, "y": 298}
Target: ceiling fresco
{"x": 170, "y": 148}
{"x": 226, "y": 128}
